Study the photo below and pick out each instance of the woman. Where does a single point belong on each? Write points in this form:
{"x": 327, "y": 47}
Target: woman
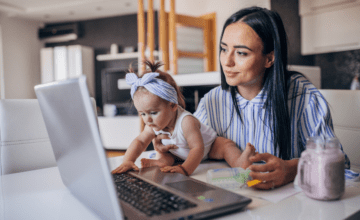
{"x": 260, "y": 101}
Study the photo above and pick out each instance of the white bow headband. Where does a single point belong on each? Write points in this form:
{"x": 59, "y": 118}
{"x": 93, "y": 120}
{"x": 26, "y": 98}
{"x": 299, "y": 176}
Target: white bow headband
{"x": 156, "y": 86}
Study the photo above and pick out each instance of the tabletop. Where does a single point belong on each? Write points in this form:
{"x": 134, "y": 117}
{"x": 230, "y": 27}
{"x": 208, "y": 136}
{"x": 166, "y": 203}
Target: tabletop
{"x": 40, "y": 194}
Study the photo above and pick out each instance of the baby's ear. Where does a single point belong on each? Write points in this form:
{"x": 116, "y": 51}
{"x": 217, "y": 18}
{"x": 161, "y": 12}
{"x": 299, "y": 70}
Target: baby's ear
{"x": 174, "y": 106}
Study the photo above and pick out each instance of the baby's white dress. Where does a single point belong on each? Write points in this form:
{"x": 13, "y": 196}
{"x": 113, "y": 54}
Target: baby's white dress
{"x": 177, "y": 137}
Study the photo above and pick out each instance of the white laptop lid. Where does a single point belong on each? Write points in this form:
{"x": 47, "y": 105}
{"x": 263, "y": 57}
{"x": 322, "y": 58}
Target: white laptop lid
{"x": 77, "y": 145}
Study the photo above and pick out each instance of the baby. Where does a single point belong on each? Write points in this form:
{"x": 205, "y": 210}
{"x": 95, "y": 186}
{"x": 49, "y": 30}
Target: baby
{"x": 161, "y": 105}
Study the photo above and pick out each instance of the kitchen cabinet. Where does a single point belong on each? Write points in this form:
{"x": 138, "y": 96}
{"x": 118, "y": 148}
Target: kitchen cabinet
{"x": 65, "y": 62}
{"x": 329, "y": 26}
{"x": 118, "y": 132}
{"x": 315, "y": 6}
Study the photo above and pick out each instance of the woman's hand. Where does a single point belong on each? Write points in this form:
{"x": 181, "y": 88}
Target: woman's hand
{"x": 125, "y": 166}
{"x": 159, "y": 147}
{"x": 276, "y": 172}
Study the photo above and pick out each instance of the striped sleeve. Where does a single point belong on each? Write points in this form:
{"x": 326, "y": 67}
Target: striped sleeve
{"x": 200, "y": 112}
{"x": 316, "y": 118}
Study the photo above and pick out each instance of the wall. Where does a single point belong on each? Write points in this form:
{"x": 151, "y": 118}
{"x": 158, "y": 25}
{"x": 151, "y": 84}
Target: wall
{"x": 21, "y": 57}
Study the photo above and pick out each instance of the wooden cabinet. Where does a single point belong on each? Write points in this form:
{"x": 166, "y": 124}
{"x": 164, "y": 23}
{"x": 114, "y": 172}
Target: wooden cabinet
{"x": 329, "y": 26}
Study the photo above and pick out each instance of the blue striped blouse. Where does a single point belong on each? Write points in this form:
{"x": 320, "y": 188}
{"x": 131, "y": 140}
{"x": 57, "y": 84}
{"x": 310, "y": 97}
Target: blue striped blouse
{"x": 308, "y": 110}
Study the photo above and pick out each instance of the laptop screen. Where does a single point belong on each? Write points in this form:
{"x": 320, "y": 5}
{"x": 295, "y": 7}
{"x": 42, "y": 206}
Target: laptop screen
{"x": 72, "y": 128}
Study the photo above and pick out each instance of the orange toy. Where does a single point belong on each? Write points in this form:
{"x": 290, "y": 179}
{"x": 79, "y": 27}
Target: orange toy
{"x": 253, "y": 183}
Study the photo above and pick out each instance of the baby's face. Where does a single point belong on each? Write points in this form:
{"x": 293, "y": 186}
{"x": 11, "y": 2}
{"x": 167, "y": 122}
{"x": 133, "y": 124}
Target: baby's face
{"x": 155, "y": 112}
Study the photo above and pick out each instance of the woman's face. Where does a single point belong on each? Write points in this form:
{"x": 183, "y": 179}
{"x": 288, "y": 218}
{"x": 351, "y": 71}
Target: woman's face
{"x": 242, "y": 57}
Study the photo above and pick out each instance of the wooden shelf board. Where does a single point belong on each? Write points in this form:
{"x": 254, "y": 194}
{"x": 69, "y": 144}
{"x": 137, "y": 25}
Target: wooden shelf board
{"x": 115, "y": 153}
{"x": 120, "y": 56}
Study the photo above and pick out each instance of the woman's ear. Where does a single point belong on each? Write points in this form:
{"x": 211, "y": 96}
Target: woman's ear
{"x": 270, "y": 57}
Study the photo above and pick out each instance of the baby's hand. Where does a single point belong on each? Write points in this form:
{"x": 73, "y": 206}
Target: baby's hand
{"x": 172, "y": 169}
{"x": 128, "y": 165}
{"x": 159, "y": 147}
{"x": 165, "y": 148}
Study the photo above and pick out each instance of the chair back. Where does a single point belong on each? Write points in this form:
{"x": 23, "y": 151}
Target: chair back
{"x": 345, "y": 111}
{"x": 24, "y": 141}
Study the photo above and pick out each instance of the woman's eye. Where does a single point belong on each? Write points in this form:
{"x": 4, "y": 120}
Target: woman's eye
{"x": 142, "y": 114}
{"x": 241, "y": 53}
{"x": 153, "y": 113}
{"x": 222, "y": 49}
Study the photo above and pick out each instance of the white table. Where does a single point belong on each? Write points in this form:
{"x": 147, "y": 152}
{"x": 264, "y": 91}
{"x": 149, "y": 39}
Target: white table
{"x": 40, "y": 194}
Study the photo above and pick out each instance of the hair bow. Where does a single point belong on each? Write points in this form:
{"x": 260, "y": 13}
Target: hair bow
{"x": 154, "y": 85}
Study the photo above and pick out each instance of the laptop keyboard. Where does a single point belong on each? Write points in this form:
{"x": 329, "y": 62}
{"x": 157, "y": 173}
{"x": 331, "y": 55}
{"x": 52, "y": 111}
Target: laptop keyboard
{"x": 147, "y": 198}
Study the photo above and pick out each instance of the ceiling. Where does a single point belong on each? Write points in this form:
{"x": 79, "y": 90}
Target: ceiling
{"x": 52, "y": 11}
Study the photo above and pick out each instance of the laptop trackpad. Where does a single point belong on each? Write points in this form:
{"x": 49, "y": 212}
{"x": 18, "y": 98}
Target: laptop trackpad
{"x": 190, "y": 186}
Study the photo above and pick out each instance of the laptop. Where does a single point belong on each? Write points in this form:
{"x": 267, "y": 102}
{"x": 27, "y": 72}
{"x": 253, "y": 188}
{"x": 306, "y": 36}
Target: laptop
{"x": 73, "y": 131}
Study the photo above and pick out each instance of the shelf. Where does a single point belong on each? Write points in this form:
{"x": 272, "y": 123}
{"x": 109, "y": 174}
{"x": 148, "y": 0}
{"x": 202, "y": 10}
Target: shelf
{"x": 121, "y": 56}
{"x": 118, "y": 56}
{"x": 191, "y": 79}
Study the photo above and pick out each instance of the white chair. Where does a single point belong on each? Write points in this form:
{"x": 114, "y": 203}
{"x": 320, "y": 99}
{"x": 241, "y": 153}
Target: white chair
{"x": 24, "y": 140}
{"x": 345, "y": 111}
{"x": 25, "y": 143}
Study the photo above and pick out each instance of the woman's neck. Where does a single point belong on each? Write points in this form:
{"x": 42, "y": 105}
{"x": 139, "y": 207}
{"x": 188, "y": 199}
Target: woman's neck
{"x": 251, "y": 89}
{"x": 249, "y": 92}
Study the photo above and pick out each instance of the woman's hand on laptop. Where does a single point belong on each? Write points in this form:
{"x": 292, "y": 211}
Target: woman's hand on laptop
{"x": 125, "y": 166}
{"x": 159, "y": 147}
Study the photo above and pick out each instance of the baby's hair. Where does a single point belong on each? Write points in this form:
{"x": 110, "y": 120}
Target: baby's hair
{"x": 154, "y": 67}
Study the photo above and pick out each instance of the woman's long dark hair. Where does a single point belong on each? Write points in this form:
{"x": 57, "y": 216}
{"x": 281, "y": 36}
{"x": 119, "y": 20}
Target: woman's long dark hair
{"x": 269, "y": 26}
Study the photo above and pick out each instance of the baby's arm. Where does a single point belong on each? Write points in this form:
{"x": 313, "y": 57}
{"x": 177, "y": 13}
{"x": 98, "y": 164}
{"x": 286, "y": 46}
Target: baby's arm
{"x": 192, "y": 134}
{"x": 137, "y": 146}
